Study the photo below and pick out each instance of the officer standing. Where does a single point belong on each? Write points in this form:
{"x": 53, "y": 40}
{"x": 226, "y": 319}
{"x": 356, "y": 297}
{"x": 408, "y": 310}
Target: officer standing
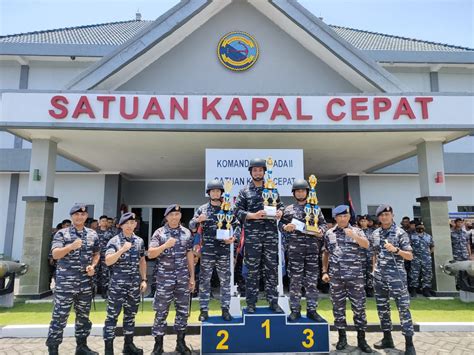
{"x": 76, "y": 250}
{"x": 105, "y": 234}
{"x": 367, "y": 261}
{"x": 459, "y": 241}
{"x": 343, "y": 255}
{"x": 214, "y": 252}
{"x": 391, "y": 246}
{"x": 303, "y": 254}
{"x": 261, "y": 238}
{"x": 423, "y": 245}
{"x": 172, "y": 244}
{"x": 125, "y": 255}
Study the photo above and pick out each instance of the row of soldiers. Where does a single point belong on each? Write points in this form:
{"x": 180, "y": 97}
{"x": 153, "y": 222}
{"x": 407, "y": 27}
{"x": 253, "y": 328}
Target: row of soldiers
{"x": 344, "y": 266}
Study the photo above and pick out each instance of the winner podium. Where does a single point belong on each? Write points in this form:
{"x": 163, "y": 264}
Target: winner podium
{"x": 263, "y": 331}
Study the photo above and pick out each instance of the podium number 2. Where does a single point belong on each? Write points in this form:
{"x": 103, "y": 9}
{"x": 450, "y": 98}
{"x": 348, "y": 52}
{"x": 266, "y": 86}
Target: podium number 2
{"x": 309, "y": 343}
{"x": 222, "y": 344}
{"x": 266, "y": 325}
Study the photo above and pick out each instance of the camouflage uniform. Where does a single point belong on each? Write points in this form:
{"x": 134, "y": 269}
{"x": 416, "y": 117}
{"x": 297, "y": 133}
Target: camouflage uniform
{"x": 124, "y": 291}
{"x": 303, "y": 259}
{"x": 261, "y": 242}
{"x": 421, "y": 263}
{"x": 172, "y": 276}
{"x": 103, "y": 272}
{"x": 347, "y": 277}
{"x": 459, "y": 240}
{"x": 214, "y": 253}
{"x": 73, "y": 286}
{"x": 390, "y": 278}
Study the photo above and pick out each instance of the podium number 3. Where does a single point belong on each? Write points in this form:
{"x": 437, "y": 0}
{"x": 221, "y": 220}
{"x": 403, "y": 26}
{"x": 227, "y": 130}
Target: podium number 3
{"x": 309, "y": 343}
{"x": 266, "y": 325}
{"x": 222, "y": 344}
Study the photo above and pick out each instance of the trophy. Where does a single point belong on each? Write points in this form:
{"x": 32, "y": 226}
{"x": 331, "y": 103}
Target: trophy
{"x": 225, "y": 214}
{"x": 269, "y": 191}
{"x": 311, "y": 208}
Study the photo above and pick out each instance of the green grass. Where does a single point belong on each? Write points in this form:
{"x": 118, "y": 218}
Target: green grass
{"x": 423, "y": 310}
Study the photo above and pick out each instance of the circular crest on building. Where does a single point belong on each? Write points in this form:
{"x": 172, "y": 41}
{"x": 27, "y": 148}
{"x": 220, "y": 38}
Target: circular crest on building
{"x": 237, "y": 50}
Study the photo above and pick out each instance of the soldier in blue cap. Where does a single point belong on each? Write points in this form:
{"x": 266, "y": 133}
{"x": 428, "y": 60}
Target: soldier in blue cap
{"x": 343, "y": 256}
{"x": 172, "y": 244}
{"x": 214, "y": 252}
{"x": 303, "y": 254}
{"x": 125, "y": 255}
{"x": 261, "y": 238}
{"x": 391, "y": 246}
{"x": 76, "y": 250}
{"x": 423, "y": 245}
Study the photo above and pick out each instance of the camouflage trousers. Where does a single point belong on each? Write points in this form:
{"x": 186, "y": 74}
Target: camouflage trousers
{"x": 261, "y": 244}
{"x": 103, "y": 277}
{"x": 423, "y": 267}
{"x": 354, "y": 290}
{"x": 122, "y": 294}
{"x": 168, "y": 289}
{"x": 63, "y": 300}
{"x": 386, "y": 287}
{"x": 222, "y": 264}
{"x": 303, "y": 271}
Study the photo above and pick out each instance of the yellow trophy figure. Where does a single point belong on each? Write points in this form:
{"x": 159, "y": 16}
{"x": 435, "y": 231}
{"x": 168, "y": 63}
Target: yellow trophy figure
{"x": 312, "y": 208}
{"x": 228, "y": 218}
{"x": 227, "y": 190}
{"x": 220, "y": 218}
{"x": 269, "y": 191}
{"x": 266, "y": 196}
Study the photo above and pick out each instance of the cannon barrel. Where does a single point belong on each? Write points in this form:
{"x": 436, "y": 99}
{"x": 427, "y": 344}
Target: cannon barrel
{"x": 454, "y": 268}
{"x": 12, "y": 267}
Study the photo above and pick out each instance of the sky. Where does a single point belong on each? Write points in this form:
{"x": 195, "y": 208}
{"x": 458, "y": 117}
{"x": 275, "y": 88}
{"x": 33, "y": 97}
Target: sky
{"x": 444, "y": 21}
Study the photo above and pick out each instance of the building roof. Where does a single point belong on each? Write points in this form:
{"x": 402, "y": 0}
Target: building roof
{"x": 117, "y": 33}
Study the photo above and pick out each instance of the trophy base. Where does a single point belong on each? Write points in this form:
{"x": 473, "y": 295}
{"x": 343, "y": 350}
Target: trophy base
{"x": 313, "y": 230}
{"x": 223, "y": 234}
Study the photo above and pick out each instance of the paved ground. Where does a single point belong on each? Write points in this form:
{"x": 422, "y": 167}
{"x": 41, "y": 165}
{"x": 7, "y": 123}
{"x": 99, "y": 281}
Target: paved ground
{"x": 431, "y": 343}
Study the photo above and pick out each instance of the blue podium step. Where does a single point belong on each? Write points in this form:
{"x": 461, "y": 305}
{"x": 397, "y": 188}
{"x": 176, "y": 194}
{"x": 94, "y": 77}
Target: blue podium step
{"x": 263, "y": 332}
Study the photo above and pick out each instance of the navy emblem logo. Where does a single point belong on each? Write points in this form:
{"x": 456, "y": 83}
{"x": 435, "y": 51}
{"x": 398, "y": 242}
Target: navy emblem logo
{"x": 237, "y": 51}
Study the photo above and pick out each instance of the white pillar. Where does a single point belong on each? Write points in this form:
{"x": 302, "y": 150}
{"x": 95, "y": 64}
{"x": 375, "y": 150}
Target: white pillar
{"x": 39, "y": 219}
{"x": 434, "y": 208}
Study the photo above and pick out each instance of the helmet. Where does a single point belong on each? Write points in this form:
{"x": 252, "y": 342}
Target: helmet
{"x": 300, "y": 184}
{"x": 214, "y": 184}
{"x": 258, "y": 163}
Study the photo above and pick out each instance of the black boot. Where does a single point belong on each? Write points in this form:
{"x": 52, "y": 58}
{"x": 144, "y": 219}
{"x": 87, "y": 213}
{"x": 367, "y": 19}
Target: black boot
{"x": 158, "y": 348}
{"x": 412, "y": 291}
{"x": 129, "y": 347}
{"x": 181, "y": 347}
{"x": 251, "y": 308}
{"x": 362, "y": 343}
{"x": 369, "y": 292}
{"x": 53, "y": 349}
{"x": 386, "y": 342}
{"x": 294, "y": 315}
{"x": 409, "y": 347}
{"x": 275, "y": 307}
{"x": 109, "y": 347}
{"x": 315, "y": 316}
{"x": 426, "y": 292}
{"x": 203, "y": 316}
{"x": 342, "y": 342}
{"x": 226, "y": 315}
{"x": 82, "y": 348}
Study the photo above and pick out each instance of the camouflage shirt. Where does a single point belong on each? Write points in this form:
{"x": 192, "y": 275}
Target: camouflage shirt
{"x": 127, "y": 266}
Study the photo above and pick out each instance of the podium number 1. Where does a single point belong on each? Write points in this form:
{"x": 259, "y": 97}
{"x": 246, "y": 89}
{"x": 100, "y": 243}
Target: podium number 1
{"x": 266, "y": 325}
{"x": 222, "y": 344}
{"x": 309, "y": 343}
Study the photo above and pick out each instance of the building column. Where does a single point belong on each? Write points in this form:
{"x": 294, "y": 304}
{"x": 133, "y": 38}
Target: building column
{"x": 434, "y": 208}
{"x": 112, "y": 195}
{"x": 39, "y": 218}
{"x": 352, "y": 192}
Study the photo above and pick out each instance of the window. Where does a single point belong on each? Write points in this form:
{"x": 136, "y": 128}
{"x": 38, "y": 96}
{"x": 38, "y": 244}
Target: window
{"x": 371, "y": 209}
{"x": 417, "y": 212}
{"x": 465, "y": 208}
